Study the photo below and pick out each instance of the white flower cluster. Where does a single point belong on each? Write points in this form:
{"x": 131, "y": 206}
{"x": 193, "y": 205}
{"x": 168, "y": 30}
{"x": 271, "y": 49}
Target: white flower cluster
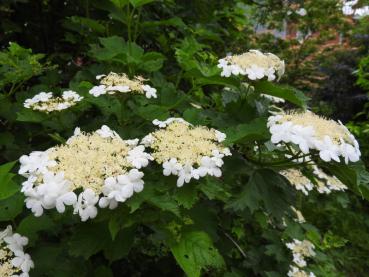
{"x": 298, "y": 180}
{"x": 103, "y": 165}
{"x": 348, "y": 8}
{"x": 13, "y": 261}
{"x": 299, "y": 217}
{"x": 255, "y": 64}
{"x": 300, "y": 251}
{"x": 297, "y": 272}
{"x": 327, "y": 183}
{"x": 323, "y": 182}
{"x": 114, "y": 82}
{"x": 186, "y": 151}
{"x": 310, "y": 132}
{"x": 46, "y": 102}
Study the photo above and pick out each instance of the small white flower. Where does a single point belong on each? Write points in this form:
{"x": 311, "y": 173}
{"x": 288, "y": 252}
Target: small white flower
{"x": 16, "y": 242}
{"x": 184, "y": 175}
{"x": 22, "y": 261}
{"x": 106, "y": 132}
{"x": 71, "y": 95}
{"x": 149, "y": 91}
{"x": 301, "y": 12}
{"x": 85, "y": 205}
{"x": 148, "y": 140}
{"x": 98, "y": 90}
{"x": 98, "y": 77}
{"x": 220, "y": 136}
{"x": 209, "y": 166}
{"x": 255, "y": 72}
{"x": 35, "y": 162}
{"x": 138, "y": 157}
{"x": 171, "y": 167}
{"x": 160, "y": 124}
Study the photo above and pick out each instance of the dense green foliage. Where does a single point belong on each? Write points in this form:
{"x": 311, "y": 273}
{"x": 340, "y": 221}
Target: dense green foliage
{"x": 236, "y": 225}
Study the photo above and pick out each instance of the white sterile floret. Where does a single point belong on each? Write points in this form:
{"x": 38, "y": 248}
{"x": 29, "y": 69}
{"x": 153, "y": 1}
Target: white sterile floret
{"x": 98, "y": 90}
{"x": 171, "y": 167}
{"x": 120, "y": 82}
{"x": 100, "y": 164}
{"x": 301, "y": 12}
{"x": 149, "y": 91}
{"x": 13, "y": 260}
{"x": 147, "y": 140}
{"x": 34, "y": 163}
{"x": 106, "y": 132}
{"x": 297, "y": 272}
{"x": 120, "y": 188}
{"x": 187, "y": 151}
{"x": 301, "y": 250}
{"x": 85, "y": 205}
{"x": 220, "y": 136}
{"x": 46, "y": 102}
{"x": 163, "y": 124}
{"x": 138, "y": 157}
{"x": 309, "y": 132}
{"x": 71, "y": 95}
{"x": 255, "y": 64}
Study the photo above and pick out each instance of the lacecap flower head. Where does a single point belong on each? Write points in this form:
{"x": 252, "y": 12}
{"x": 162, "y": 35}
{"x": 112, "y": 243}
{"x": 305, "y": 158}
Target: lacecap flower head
{"x": 14, "y": 262}
{"x": 301, "y": 250}
{"x": 322, "y": 182}
{"x": 253, "y": 64}
{"x": 121, "y": 83}
{"x": 47, "y": 102}
{"x": 311, "y": 132}
{"x": 185, "y": 150}
{"x": 91, "y": 168}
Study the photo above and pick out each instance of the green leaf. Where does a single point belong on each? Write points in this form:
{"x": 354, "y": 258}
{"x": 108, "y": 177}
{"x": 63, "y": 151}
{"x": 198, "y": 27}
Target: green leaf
{"x": 11, "y": 207}
{"x": 174, "y": 21}
{"x": 248, "y": 132}
{"x": 7, "y": 186}
{"x": 28, "y": 115}
{"x": 186, "y": 196}
{"x": 18, "y": 64}
{"x": 218, "y": 80}
{"x": 88, "y": 239}
{"x": 264, "y": 187}
{"x": 213, "y": 189}
{"x": 355, "y": 176}
{"x": 103, "y": 271}
{"x": 152, "y": 61}
{"x": 151, "y": 112}
{"x": 120, "y": 247}
{"x": 31, "y": 226}
{"x": 195, "y": 252}
{"x": 139, "y": 3}
{"x": 286, "y": 92}
{"x": 107, "y": 105}
{"x": 120, "y": 3}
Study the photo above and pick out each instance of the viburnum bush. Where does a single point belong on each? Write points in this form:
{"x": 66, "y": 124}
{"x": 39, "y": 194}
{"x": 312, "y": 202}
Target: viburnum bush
{"x": 152, "y": 162}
